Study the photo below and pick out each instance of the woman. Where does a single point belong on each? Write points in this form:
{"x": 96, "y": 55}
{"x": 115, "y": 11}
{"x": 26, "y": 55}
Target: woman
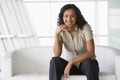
{"x": 76, "y": 36}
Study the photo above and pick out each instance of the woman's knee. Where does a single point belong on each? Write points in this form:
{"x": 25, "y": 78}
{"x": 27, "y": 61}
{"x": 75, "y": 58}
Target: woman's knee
{"x": 54, "y": 60}
{"x": 86, "y": 62}
{"x": 91, "y": 64}
{"x": 58, "y": 61}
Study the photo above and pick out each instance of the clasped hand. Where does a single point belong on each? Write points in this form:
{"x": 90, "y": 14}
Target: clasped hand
{"x": 61, "y": 28}
{"x": 67, "y": 69}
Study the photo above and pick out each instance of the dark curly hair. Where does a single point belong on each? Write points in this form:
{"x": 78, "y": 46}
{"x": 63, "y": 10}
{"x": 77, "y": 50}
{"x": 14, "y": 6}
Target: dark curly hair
{"x": 80, "y": 21}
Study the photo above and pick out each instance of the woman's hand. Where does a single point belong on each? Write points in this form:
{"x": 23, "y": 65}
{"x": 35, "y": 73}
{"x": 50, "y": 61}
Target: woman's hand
{"x": 67, "y": 69}
{"x": 61, "y": 28}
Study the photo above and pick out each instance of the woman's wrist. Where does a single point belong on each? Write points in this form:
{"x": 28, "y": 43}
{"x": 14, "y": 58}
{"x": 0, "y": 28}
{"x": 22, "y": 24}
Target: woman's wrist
{"x": 71, "y": 62}
{"x": 57, "y": 34}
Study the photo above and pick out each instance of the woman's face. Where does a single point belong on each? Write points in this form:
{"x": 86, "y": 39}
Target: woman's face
{"x": 69, "y": 18}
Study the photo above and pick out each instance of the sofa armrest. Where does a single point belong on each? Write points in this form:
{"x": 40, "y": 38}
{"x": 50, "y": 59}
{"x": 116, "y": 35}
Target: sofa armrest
{"x": 117, "y": 67}
{"x": 6, "y": 70}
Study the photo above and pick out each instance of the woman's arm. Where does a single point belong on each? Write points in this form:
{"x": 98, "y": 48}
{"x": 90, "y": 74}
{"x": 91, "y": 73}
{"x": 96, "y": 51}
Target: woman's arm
{"x": 89, "y": 54}
{"x": 58, "y": 42}
{"x": 57, "y": 46}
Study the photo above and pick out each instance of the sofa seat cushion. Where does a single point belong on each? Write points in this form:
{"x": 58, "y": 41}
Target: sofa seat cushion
{"x": 33, "y": 76}
{"x": 107, "y": 76}
{"x": 75, "y": 77}
{"x": 102, "y": 76}
{"x": 37, "y": 76}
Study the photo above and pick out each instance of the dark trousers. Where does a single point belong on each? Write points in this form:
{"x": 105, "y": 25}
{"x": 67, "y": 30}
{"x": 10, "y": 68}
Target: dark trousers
{"x": 88, "y": 67}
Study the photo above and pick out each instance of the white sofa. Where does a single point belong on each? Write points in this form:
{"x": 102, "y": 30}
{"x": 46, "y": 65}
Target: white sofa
{"x": 33, "y": 64}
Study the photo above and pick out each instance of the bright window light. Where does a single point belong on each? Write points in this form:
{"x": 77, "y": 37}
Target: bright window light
{"x": 44, "y": 16}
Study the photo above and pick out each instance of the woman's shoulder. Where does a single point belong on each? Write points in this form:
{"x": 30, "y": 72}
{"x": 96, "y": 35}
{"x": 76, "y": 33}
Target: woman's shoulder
{"x": 86, "y": 27}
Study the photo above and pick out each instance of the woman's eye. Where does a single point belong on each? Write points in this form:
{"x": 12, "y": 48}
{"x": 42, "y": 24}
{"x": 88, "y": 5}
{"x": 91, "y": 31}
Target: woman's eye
{"x": 72, "y": 16}
{"x": 66, "y": 16}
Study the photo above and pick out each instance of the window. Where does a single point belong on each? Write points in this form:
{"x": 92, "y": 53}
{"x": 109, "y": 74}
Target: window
{"x": 44, "y": 16}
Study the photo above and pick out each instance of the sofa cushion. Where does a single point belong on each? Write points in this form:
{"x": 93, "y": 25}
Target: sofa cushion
{"x": 102, "y": 76}
{"x": 107, "y": 76}
{"x": 33, "y": 76}
{"x": 31, "y": 60}
{"x": 75, "y": 77}
{"x": 37, "y": 76}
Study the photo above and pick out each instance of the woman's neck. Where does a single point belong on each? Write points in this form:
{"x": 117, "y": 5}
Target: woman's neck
{"x": 71, "y": 29}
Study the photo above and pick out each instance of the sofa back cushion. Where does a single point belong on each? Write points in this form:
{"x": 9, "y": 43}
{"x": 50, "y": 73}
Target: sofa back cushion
{"x": 31, "y": 60}
{"x": 36, "y": 59}
{"x": 106, "y": 58}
